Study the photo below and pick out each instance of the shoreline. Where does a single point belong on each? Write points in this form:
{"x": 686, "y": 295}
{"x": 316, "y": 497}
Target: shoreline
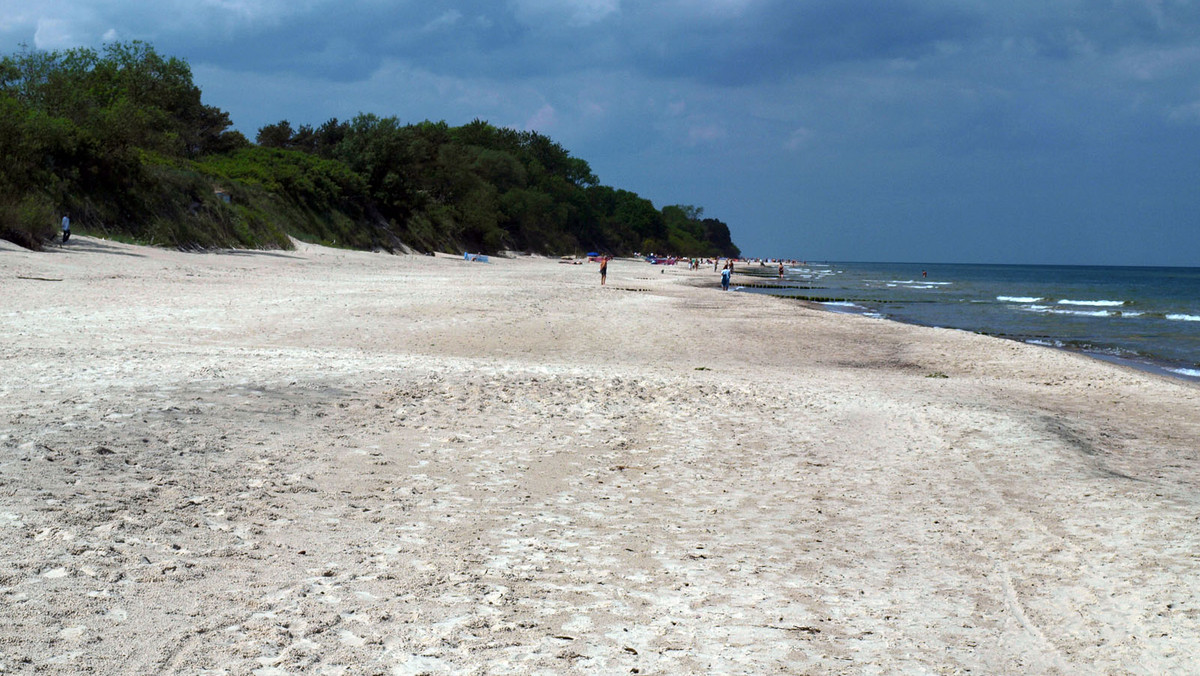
{"x": 339, "y": 460}
{"x": 1108, "y": 353}
{"x": 1142, "y": 363}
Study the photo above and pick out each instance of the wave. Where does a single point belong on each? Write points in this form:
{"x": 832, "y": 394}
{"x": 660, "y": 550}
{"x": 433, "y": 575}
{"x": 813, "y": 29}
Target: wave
{"x": 1018, "y": 299}
{"x": 910, "y": 283}
{"x": 1122, "y": 314}
{"x": 1084, "y": 313}
{"x": 1093, "y": 303}
{"x": 1190, "y": 373}
{"x": 1050, "y": 310}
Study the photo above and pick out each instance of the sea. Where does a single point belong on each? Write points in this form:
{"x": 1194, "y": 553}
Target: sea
{"x": 1145, "y": 317}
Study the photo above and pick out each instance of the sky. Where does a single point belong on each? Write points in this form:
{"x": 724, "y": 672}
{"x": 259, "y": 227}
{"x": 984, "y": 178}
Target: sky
{"x": 974, "y": 131}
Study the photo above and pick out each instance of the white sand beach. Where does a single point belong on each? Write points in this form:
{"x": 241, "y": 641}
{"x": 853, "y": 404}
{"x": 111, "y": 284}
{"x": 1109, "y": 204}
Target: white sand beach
{"x": 326, "y": 461}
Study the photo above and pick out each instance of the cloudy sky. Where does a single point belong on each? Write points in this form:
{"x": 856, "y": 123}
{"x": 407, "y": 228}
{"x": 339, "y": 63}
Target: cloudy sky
{"x": 1005, "y": 131}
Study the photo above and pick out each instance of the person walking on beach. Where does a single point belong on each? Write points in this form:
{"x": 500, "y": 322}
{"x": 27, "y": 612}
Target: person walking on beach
{"x": 66, "y": 228}
{"x": 725, "y": 275}
{"x": 603, "y": 269}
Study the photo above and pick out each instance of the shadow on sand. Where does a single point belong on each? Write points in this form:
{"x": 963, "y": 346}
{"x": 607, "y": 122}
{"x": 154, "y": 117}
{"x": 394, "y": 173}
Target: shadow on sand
{"x": 79, "y": 243}
{"x": 253, "y": 252}
{"x": 85, "y": 243}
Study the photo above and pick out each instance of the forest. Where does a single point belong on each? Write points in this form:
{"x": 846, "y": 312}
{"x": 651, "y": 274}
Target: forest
{"x": 120, "y": 140}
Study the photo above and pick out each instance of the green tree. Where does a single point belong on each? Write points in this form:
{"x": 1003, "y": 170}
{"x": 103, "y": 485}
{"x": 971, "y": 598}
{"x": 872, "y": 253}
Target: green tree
{"x": 278, "y": 135}
{"x": 121, "y": 137}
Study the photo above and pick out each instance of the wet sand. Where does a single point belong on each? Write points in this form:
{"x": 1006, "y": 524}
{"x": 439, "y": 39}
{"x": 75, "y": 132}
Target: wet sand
{"x": 325, "y": 461}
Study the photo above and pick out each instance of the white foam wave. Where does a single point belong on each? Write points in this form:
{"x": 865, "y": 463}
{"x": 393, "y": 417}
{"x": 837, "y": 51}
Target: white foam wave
{"x": 1183, "y": 318}
{"x": 1045, "y": 309}
{"x": 1018, "y": 299}
{"x": 911, "y": 282}
{"x": 1191, "y": 373}
{"x": 1093, "y": 303}
{"x": 1084, "y": 313}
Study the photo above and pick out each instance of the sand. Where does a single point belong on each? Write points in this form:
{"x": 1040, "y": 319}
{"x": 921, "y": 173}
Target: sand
{"x": 325, "y": 461}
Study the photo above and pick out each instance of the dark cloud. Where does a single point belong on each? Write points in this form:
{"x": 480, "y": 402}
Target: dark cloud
{"x": 1109, "y": 26}
{"x": 765, "y": 42}
{"x": 334, "y": 42}
{"x": 779, "y": 39}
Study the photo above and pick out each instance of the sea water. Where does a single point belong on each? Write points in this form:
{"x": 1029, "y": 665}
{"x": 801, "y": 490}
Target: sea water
{"x": 1149, "y": 317}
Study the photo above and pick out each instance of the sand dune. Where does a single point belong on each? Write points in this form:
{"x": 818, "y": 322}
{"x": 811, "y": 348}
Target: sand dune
{"x": 324, "y": 461}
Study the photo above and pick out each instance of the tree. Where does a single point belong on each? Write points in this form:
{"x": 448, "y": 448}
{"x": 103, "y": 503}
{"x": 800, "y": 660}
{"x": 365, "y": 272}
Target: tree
{"x": 126, "y": 96}
{"x": 123, "y": 134}
{"x": 717, "y": 232}
{"x": 278, "y": 135}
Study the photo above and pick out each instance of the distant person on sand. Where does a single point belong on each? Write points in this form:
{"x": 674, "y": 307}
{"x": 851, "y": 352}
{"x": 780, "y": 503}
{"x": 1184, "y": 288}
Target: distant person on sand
{"x": 66, "y": 228}
{"x": 725, "y": 275}
{"x": 603, "y": 269}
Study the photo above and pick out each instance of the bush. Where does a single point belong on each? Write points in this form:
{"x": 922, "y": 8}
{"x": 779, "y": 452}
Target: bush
{"x": 28, "y": 221}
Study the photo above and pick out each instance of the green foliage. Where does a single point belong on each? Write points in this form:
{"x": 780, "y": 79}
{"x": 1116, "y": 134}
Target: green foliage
{"x": 185, "y": 212}
{"x": 127, "y": 95}
{"x": 717, "y": 232}
{"x": 312, "y": 198}
{"x": 28, "y": 221}
{"x": 317, "y": 183}
{"x": 77, "y": 127}
{"x": 278, "y": 135}
{"x": 692, "y": 237}
{"x": 121, "y": 139}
